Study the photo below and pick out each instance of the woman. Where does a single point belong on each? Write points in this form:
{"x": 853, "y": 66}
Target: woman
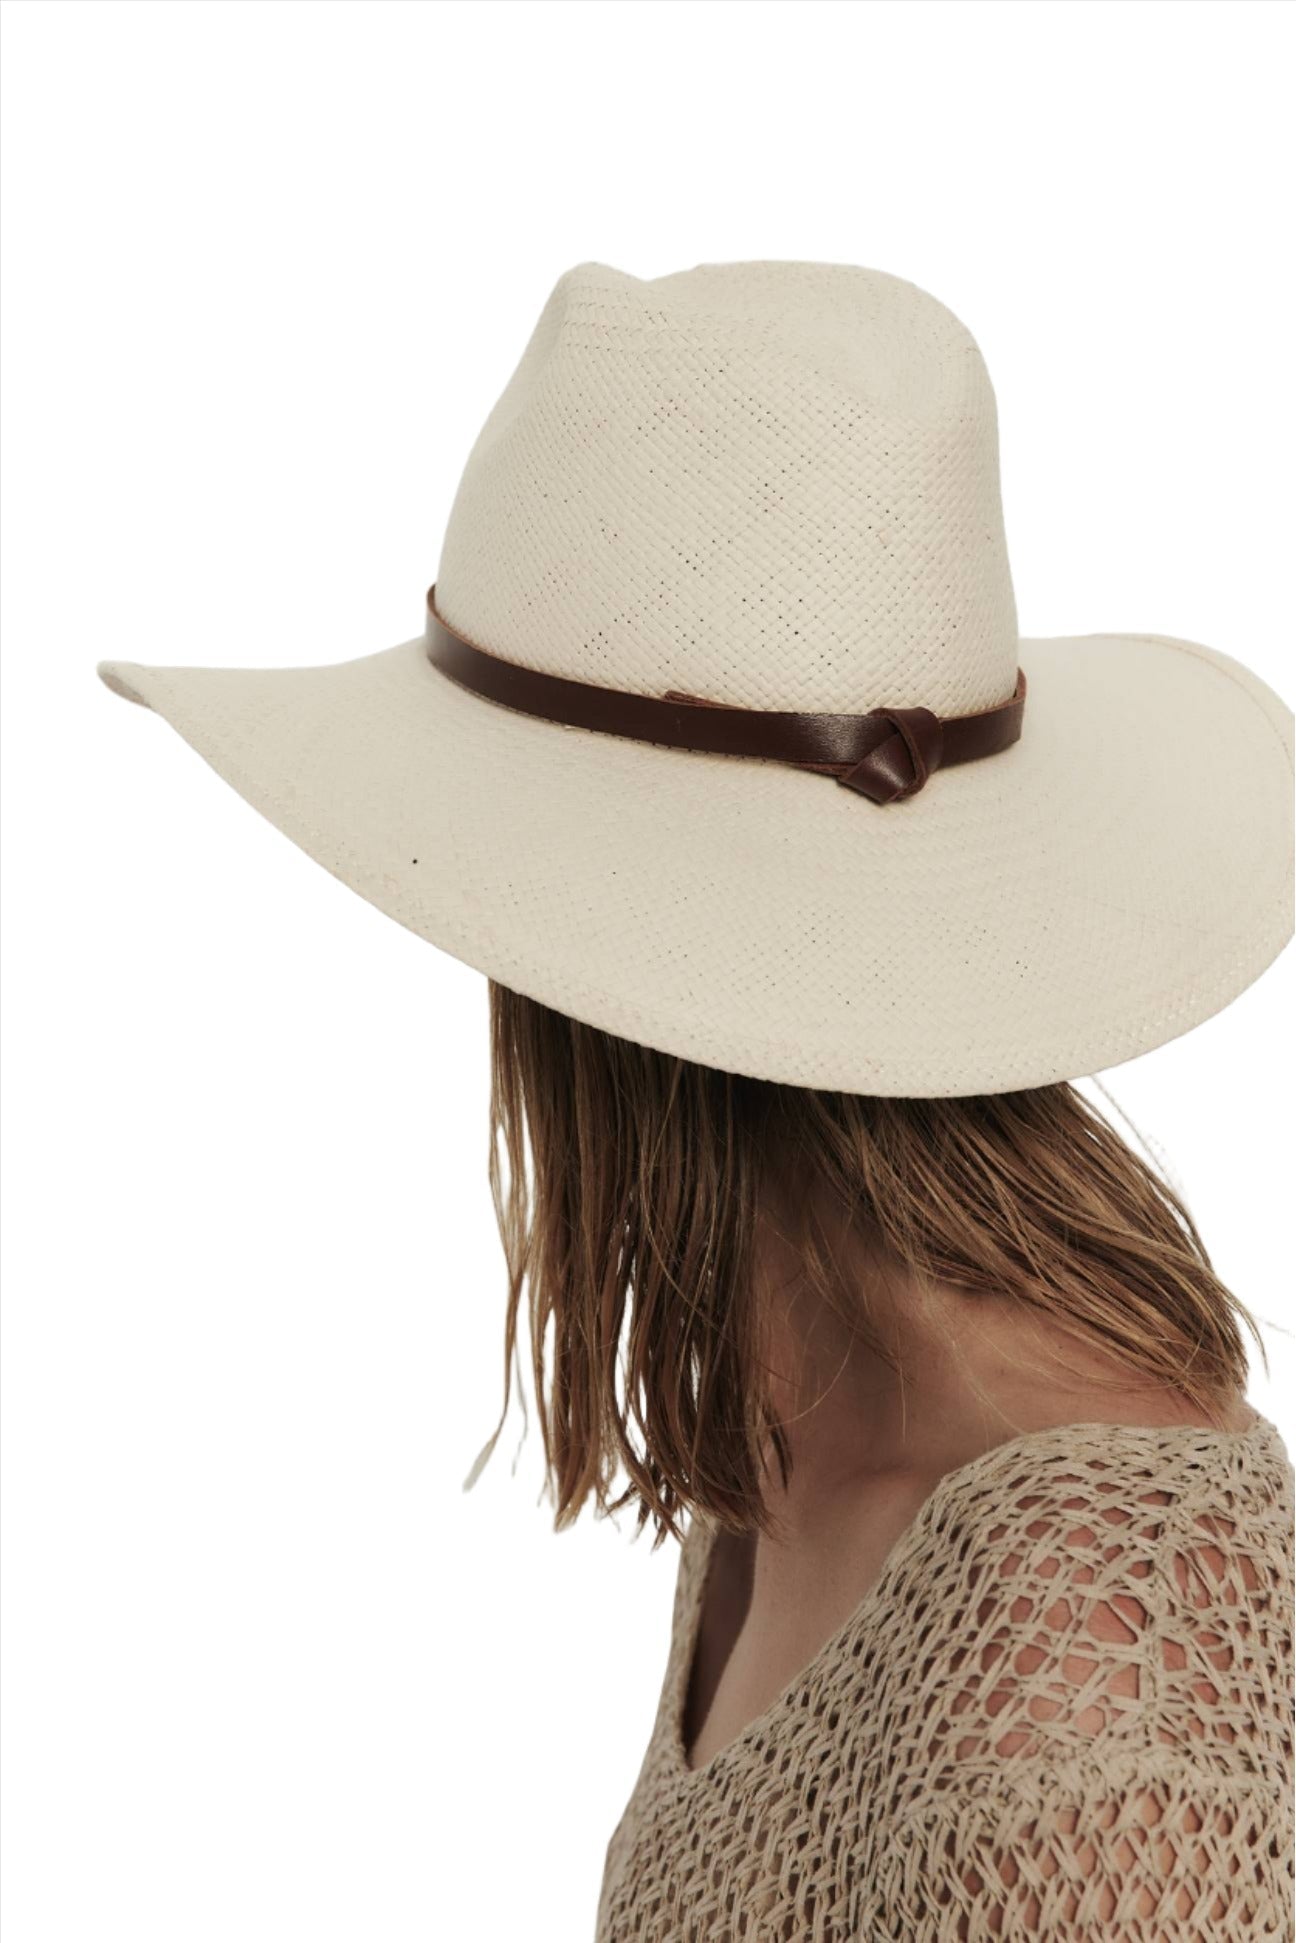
{"x": 1024, "y": 1517}
{"x": 805, "y": 887}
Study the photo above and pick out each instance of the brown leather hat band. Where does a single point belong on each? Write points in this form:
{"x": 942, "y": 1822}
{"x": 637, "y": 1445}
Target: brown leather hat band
{"x": 886, "y": 754}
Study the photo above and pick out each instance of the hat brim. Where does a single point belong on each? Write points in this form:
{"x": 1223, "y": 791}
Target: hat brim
{"x": 1117, "y": 876}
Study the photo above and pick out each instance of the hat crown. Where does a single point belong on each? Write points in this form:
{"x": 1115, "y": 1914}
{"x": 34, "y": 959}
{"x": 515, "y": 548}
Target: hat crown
{"x": 770, "y": 484}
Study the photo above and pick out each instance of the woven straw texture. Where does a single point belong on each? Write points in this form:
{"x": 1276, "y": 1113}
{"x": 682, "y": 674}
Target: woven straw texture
{"x": 777, "y": 485}
{"x": 1062, "y": 1711}
{"x": 771, "y": 484}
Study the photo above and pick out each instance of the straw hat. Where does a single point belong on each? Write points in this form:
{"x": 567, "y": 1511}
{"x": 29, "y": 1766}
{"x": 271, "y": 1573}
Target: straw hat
{"x": 909, "y": 852}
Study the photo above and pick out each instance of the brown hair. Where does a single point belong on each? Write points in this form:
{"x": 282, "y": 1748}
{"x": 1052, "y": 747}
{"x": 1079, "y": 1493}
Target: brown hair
{"x": 633, "y": 1230}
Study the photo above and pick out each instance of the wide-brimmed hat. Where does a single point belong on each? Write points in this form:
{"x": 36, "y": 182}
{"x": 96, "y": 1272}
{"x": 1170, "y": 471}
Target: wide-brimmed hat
{"x": 717, "y": 731}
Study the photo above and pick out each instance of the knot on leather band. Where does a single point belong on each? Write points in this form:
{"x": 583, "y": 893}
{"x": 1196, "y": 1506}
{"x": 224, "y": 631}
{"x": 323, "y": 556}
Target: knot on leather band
{"x": 886, "y": 754}
{"x": 901, "y": 763}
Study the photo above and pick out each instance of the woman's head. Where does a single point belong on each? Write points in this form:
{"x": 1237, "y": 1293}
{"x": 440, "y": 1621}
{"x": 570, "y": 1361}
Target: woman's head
{"x": 633, "y": 1190}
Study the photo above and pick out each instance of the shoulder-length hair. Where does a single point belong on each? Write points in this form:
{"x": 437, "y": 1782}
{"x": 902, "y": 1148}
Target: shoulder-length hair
{"x": 628, "y": 1185}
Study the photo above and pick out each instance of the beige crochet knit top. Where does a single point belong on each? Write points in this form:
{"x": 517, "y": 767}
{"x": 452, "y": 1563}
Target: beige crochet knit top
{"x": 1063, "y": 1710}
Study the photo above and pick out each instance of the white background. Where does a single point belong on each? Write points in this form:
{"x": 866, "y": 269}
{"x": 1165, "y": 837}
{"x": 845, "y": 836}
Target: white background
{"x": 269, "y": 1673}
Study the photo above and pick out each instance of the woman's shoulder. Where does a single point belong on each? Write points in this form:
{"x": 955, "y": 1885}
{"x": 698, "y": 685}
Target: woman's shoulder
{"x": 1109, "y": 1585}
{"x": 1099, "y": 1506}
{"x": 1106, "y": 1454}
{"x": 1111, "y": 1658}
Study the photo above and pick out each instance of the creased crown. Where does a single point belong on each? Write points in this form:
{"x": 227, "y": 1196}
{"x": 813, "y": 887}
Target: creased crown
{"x": 772, "y": 484}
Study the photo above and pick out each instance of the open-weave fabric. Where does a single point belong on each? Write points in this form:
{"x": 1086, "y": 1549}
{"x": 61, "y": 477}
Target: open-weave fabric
{"x": 1063, "y": 1710}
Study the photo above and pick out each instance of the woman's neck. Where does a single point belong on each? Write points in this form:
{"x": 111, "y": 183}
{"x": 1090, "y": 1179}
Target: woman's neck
{"x": 971, "y": 1371}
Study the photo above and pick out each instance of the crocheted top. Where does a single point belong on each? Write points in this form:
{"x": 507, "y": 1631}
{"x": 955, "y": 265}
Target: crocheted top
{"x": 1062, "y": 1710}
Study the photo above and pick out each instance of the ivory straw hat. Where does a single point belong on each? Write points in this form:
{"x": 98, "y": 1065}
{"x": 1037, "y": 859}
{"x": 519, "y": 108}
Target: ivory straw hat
{"x": 775, "y": 487}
